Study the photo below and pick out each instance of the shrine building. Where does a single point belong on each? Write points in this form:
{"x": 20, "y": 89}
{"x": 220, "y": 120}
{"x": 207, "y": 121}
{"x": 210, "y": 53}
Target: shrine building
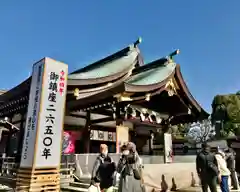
{"x": 116, "y": 99}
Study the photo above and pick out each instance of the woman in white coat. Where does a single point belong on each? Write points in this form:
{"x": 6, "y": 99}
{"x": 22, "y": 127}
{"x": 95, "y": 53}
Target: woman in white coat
{"x": 224, "y": 171}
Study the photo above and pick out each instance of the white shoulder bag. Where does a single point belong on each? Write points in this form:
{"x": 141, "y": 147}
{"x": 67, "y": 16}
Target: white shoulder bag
{"x": 93, "y": 188}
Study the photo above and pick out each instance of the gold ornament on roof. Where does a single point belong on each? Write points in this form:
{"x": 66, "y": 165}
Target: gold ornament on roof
{"x": 122, "y": 97}
{"x": 170, "y": 88}
{"x": 76, "y": 92}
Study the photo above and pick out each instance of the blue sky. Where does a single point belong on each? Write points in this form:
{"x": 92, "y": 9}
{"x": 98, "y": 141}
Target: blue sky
{"x": 79, "y": 32}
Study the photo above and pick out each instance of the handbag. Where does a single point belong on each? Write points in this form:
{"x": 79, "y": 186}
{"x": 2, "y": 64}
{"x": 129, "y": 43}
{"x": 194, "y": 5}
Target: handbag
{"x": 93, "y": 188}
{"x": 137, "y": 170}
{"x": 137, "y": 173}
{"x": 110, "y": 189}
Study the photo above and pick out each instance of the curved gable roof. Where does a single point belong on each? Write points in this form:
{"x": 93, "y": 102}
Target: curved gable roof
{"x": 151, "y": 76}
{"x": 107, "y": 71}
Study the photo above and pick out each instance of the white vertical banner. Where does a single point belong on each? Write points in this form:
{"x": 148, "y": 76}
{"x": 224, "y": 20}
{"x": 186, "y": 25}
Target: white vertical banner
{"x": 44, "y": 150}
{"x": 168, "y": 150}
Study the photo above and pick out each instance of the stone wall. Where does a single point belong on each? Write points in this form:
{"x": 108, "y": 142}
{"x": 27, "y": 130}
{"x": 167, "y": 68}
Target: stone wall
{"x": 181, "y": 170}
{"x": 183, "y": 174}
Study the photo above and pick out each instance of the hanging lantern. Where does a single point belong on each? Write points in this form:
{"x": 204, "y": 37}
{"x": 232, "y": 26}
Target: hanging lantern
{"x": 152, "y": 118}
{"x": 125, "y": 113}
{"x": 114, "y": 111}
{"x": 142, "y": 117}
{"x": 158, "y": 119}
{"x": 147, "y": 117}
{"x": 133, "y": 114}
{"x": 148, "y": 97}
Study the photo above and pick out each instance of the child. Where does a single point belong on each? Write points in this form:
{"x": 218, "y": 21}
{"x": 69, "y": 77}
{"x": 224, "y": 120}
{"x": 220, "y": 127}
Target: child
{"x": 224, "y": 171}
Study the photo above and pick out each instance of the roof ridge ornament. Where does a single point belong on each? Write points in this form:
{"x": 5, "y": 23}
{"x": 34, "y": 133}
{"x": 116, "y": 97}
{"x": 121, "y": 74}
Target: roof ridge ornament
{"x": 134, "y": 45}
{"x": 137, "y": 42}
{"x": 171, "y": 55}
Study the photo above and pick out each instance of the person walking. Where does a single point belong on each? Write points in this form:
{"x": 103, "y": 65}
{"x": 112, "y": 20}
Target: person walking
{"x": 129, "y": 168}
{"x": 103, "y": 170}
{"x": 207, "y": 169}
{"x": 231, "y": 165}
{"x": 224, "y": 171}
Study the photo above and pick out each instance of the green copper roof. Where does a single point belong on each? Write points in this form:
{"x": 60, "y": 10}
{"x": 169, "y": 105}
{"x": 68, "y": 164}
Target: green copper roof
{"x": 109, "y": 68}
{"x": 152, "y": 76}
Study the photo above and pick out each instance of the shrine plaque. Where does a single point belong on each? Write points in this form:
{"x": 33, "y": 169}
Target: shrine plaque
{"x": 114, "y": 136}
{"x": 105, "y": 133}
{"x": 91, "y": 134}
{"x": 100, "y": 135}
{"x": 45, "y": 115}
{"x": 95, "y": 135}
{"x": 110, "y": 136}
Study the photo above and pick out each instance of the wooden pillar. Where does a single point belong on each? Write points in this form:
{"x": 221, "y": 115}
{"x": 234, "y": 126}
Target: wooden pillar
{"x": 151, "y": 138}
{"x": 122, "y": 131}
{"x": 20, "y": 139}
{"x": 86, "y": 133}
{"x": 8, "y": 142}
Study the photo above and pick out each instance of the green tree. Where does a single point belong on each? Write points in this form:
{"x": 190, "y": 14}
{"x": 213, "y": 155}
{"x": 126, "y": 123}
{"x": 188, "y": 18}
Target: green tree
{"x": 226, "y": 114}
{"x": 179, "y": 131}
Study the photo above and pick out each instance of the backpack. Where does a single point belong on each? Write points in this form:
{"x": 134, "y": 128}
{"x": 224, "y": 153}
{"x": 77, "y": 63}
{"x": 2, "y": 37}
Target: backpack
{"x": 106, "y": 168}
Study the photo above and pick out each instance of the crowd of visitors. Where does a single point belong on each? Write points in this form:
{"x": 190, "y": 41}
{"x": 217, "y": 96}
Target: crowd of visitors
{"x": 126, "y": 174}
{"x": 213, "y": 168}
{"x": 216, "y": 167}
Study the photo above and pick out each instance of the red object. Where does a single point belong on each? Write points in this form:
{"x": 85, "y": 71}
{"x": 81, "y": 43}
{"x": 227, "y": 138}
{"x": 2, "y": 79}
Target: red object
{"x": 71, "y": 137}
{"x": 61, "y": 84}
{"x": 61, "y": 90}
{"x": 62, "y": 73}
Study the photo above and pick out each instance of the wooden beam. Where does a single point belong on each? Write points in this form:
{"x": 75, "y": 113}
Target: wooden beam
{"x": 184, "y": 103}
{"x": 102, "y": 112}
{"x": 101, "y": 120}
{"x": 78, "y": 116}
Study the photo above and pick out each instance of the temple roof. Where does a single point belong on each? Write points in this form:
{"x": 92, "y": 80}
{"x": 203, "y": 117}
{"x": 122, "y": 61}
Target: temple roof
{"x": 122, "y": 73}
{"x": 108, "y": 69}
{"x": 150, "y": 76}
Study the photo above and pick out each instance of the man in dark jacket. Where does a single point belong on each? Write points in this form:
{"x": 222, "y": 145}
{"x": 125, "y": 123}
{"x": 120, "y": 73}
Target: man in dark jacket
{"x": 103, "y": 169}
{"x": 207, "y": 169}
{"x": 230, "y": 158}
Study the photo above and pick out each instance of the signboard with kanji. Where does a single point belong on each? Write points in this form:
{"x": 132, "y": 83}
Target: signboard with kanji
{"x": 168, "y": 150}
{"x": 44, "y": 124}
{"x": 102, "y": 135}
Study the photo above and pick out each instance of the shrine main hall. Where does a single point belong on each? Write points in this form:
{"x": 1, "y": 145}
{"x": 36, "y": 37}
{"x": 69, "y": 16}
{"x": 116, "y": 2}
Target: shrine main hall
{"x": 116, "y": 99}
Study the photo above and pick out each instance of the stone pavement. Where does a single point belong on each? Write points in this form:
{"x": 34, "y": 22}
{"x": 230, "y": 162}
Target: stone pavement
{"x": 198, "y": 189}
